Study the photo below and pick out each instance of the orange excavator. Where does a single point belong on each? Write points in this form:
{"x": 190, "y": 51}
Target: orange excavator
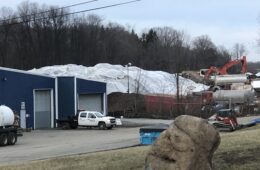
{"x": 204, "y": 75}
{"x": 223, "y": 70}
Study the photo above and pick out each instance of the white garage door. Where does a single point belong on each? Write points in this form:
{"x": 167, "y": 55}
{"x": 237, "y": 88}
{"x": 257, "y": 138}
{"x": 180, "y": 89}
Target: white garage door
{"x": 42, "y": 109}
{"x": 91, "y": 102}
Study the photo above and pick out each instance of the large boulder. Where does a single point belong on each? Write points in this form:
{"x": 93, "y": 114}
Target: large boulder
{"x": 188, "y": 144}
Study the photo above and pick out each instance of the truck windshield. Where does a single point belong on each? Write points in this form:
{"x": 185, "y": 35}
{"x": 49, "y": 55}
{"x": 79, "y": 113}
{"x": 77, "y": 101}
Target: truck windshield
{"x": 99, "y": 114}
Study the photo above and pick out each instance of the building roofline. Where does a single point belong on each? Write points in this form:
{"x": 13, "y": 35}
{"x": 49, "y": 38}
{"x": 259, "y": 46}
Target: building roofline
{"x": 92, "y": 80}
{"x": 83, "y": 79}
{"x": 24, "y": 72}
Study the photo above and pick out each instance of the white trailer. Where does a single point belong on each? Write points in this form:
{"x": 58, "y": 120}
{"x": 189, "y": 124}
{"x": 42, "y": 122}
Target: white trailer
{"x": 8, "y": 132}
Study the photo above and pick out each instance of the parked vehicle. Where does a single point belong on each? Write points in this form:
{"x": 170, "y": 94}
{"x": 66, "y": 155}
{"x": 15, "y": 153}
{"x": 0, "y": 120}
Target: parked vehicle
{"x": 88, "y": 119}
{"x": 214, "y": 76}
{"x": 225, "y": 119}
{"x": 224, "y": 69}
{"x": 8, "y": 126}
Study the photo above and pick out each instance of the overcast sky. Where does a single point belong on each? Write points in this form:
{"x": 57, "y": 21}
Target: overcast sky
{"x": 226, "y": 21}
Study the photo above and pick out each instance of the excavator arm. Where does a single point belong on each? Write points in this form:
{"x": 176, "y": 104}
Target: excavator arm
{"x": 223, "y": 70}
{"x": 230, "y": 64}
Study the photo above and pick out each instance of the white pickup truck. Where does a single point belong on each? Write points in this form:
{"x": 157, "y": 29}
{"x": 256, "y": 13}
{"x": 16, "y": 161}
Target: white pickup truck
{"x": 89, "y": 119}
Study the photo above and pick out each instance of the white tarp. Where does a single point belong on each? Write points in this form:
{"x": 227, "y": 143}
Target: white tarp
{"x": 116, "y": 76}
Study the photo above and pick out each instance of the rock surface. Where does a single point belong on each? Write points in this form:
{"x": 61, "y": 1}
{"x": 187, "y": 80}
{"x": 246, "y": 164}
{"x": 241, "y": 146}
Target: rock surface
{"x": 188, "y": 144}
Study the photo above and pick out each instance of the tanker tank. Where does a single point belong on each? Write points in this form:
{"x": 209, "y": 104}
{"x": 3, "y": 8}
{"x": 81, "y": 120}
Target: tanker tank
{"x": 229, "y": 79}
{"x": 234, "y": 96}
{"x": 8, "y": 132}
{"x": 6, "y": 116}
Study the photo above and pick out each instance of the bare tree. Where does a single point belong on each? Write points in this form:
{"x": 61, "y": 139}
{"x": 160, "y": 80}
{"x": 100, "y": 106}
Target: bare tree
{"x": 238, "y": 51}
{"x": 204, "y": 52}
{"x": 175, "y": 47}
{"x": 139, "y": 85}
{"x": 37, "y": 38}
{"x": 5, "y": 34}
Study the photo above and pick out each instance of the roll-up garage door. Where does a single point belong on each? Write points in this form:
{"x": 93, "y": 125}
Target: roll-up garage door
{"x": 42, "y": 109}
{"x": 91, "y": 102}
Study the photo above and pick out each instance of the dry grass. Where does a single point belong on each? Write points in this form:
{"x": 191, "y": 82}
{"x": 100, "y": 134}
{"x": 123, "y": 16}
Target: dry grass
{"x": 130, "y": 158}
{"x": 238, "y": 150}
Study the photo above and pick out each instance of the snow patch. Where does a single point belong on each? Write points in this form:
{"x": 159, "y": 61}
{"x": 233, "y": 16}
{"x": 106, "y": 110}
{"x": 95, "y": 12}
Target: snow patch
{"x": 140, "y": 81}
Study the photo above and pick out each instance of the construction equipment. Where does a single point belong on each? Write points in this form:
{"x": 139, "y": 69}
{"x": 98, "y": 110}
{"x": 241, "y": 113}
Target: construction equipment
{"x": 209, "y": 76}
{"x": 223, "y": 70}
{"x": 225, "y": 120}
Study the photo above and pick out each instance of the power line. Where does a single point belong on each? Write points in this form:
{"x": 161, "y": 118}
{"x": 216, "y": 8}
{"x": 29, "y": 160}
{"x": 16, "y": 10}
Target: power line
{"x": 103, "y": 7}
{"x": 77, "y": 12}
{"x": 56, "y": 9}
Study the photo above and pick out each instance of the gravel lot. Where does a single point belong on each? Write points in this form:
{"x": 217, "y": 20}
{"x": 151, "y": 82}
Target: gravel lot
{"x": 41, "y": 144}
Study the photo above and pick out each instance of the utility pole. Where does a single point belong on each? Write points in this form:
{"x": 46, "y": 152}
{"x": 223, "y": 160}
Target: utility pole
{"x": 128, "y": 65}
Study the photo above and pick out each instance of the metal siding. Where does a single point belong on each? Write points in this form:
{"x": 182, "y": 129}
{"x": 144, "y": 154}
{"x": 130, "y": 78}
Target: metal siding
{"x": 18, "y": 87}
{"x": 91, "y": 89}
{"x": 66, "y": 103}
{"x": 88, "y": 86}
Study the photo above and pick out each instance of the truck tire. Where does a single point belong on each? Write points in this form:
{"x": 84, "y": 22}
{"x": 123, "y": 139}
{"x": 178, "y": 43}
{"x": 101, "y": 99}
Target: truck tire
{"x": 12, "y": 138}
{"x": 73, "y": 125}
{"x": 110, "y": 127}
{"x": 102, "y": 126}
{"x": 3, "y": 139}
{"x": 65, "y": 126}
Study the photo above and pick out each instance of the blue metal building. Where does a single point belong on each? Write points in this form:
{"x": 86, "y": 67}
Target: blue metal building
{"x": 35, "y": 91}
{"x": 40, "y": 100}
{"x": 79, "y": 94}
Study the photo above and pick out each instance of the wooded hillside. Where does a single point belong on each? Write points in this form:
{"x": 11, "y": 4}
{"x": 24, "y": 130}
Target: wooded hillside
{"x": 30, "y": 37}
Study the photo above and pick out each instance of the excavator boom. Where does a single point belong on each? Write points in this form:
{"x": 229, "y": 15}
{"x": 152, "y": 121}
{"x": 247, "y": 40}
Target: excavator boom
{"x": 223, "y": 70}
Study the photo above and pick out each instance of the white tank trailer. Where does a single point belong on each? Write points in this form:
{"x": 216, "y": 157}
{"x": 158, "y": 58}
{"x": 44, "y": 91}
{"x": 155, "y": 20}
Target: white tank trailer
{"x": 229, "y": 79}
{"x": 234, "y": 96}
{"x": 6, "y": 116}
{"x": 8, "y": 133}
